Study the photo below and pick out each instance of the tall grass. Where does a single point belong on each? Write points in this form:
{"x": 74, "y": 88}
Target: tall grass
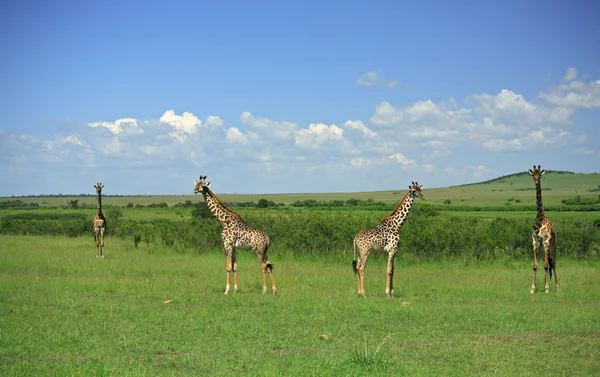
{"x": 63, "y": 312}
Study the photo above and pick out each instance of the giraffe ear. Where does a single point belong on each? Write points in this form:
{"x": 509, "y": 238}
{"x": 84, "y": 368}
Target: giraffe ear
{"x": 543, "y": 171}
{"x": 195, "y": 182}
{"x": 409, "y": 187}
{"x": 530, "y": 172}
{"x": 420, "y": 187}
{"x": 208, "y": 184}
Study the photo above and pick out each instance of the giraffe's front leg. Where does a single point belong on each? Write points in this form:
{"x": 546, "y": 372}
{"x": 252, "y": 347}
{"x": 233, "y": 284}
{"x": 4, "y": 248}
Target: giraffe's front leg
{"x": 389, "y": 287}
{"x": 228, "y": 265}
{"x": 235, "y": 277}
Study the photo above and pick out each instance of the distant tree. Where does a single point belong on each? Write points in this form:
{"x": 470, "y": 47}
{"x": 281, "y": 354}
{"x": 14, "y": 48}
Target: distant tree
{"x": 73, "y": 204}
{"x": 114, "y": 213}
{"x": 447, "y": 202}
{"x": 262, "y": 203}
{"x": 201, "y": 211}
{"x": 129, "y": 205}
{"x": 352, "y": 202}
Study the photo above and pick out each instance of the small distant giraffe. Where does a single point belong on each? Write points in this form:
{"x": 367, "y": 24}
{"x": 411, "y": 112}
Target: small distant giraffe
{"x": 237, "y": 234}
{"x": 383, "y": 237}
{"x": 99, "y": 224}
{"x": 543, "y": 236}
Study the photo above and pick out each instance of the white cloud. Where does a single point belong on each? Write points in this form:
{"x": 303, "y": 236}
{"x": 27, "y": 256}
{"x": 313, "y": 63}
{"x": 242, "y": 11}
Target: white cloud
{"x": 428, "y": 168}
{"x": 360, "y": 162}
{"x": 235, "y": 135}
{"x": 584, "y": 151}
{"x": 478, "y": 172}
{"x": 184, "y": 125}
{"x": 115, "y": 127}
{"x": 317, "y": 134}
{"x": 267, "y": 127}
{"x": 571, "y": 74}
{"x": 402, "y": 160}
{"x": 574, "y": 93}
{"x": 360, "y": 126}
{"x": 372, "y": 78}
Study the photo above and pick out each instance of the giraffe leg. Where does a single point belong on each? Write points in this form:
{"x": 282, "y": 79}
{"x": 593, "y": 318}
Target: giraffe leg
{"x": 535, "y": 265}
{"x": 228, "y": 266}
{"x": 101, "y": 242}
{"x": 553, "y": 264}
{"x": 263, "y": 267}
{"x": 389, "y": 287}
{"x": 270, "y": 272}
{"x": 546, "y": 266}
{"x": 235, "y": 277}
{"x": 97, "y": 243}
{"x": 360, "y": 270}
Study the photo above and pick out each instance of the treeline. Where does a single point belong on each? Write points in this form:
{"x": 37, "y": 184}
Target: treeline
{"x": 17, "y": 204}
{"x": 426, "y": 234}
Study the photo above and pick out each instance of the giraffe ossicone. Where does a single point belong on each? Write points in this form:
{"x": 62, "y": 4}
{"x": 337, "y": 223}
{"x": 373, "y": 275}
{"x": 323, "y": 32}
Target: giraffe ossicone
{"x": 384, "y": 237}
{"x": 237, "y": 234}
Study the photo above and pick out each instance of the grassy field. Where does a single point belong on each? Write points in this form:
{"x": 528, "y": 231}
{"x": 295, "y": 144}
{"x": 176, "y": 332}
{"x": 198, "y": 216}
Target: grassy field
{"x": 556, "y": 186}
{"x": 63, "y": 312}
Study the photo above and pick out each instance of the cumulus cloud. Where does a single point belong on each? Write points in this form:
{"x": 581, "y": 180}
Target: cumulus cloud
{"x": 359, "y": 162}
{"x": 269, "y": 128}
{"x": 584, "y": 151}
{"x": 317, "y": 134}
{"x": 504, "y": 121}
{"x": 115, "y": 127}
{"x": 372, "y": 78}
{"x": 402, "y": 160}
{"x": 359, "y": 126}
{"x": 574, "y": 93}
{"x": 235, "y": 135}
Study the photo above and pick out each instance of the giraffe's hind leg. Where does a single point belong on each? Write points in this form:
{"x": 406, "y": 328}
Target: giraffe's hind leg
{"x": 553, "y": 262}
{"x": 360, "y": 270}
{"x": 546, "y": 267}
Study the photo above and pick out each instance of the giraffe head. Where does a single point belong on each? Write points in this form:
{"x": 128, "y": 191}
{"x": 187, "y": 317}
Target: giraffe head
{"x": 537, "y": 174}
{"x": 99, "y": 188}
{"x": 415, "y": 190}
{"x": 200, "y": 185}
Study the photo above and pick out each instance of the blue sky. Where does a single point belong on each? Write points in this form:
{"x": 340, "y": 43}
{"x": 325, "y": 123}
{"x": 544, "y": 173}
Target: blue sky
{"x": 303, "y": 96}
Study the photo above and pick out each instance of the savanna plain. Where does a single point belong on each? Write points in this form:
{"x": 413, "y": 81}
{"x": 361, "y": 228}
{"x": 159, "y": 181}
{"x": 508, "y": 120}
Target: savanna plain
{"x": 155, "y": 305}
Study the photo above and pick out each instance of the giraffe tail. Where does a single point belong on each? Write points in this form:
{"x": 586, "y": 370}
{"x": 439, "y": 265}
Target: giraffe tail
{"x": 354, "y": 261}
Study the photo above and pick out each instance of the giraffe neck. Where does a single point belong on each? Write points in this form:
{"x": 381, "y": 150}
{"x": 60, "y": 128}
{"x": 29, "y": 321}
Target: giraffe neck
{"x": 540, "y": 216}
{"x": 220, "y": 211}
{"x": 99, "y": 211}
{"x": 396, "y": 218}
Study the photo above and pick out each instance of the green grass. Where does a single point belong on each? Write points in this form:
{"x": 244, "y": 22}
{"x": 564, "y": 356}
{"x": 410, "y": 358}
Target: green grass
{"x": 63, "y": 312}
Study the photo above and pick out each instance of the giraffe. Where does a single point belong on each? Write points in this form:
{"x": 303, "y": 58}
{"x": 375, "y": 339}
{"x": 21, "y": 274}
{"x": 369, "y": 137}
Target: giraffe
{"x": 237, "y": 234}
{"x": 99, "y": 224}
{"x": 383, "y": 237}
{"x": 543, "y": 236}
